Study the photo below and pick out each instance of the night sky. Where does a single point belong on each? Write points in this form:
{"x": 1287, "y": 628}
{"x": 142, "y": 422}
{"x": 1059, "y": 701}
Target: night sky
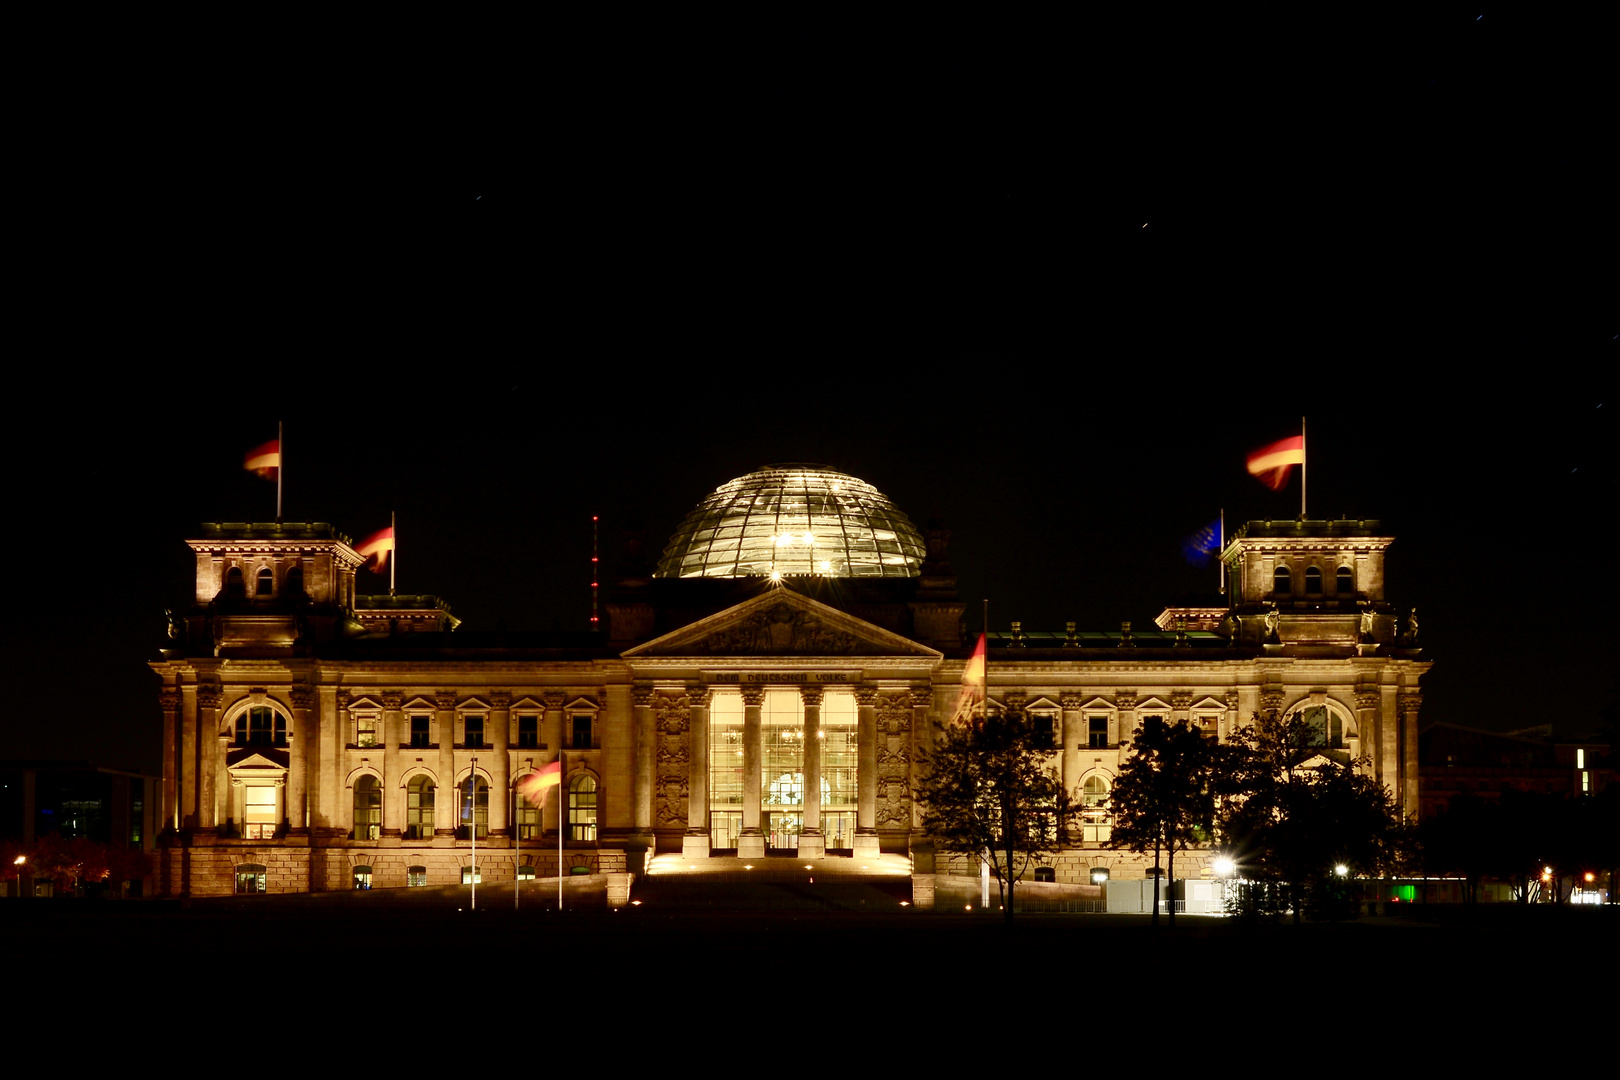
{"x": 1050, "y": 297}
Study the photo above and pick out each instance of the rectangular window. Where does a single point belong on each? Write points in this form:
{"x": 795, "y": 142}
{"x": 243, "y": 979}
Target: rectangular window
{"x": 475, "y": 733}
{"x": 365, "y": 731}
{"x": 528, "y": 732}
{"x": 420, "y": 732}
{"x": 1097, "y": 732}
{"x": 582, "y": 731}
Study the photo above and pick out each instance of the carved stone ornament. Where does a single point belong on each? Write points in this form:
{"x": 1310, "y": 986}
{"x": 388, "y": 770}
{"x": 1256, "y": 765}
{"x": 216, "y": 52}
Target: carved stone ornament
{"x": 642, "y": 696}
{"x": 498, "y": 699}
{"x": 1181, "y": 699}
{"x": 673, "y": 715}
{"x": 208, "y": 695}
{"x": 810, "y": 695}
{"x": 778, "y": 630}
{"x": 554, "y": 702}
{"x": 866, "y": 696}
{"x": 392, "y": 699}
{"x": 169, "y": 699}
{"x": 444, "y": 700}
{"x": 1271, "y": 700}
{"x": 672, "y": 759}
{"x": 1410, "y": 701}
{"x": 698, "y": 695}
{"x": 753, "y": 696}
{"x": 303, "y": 695}
{"x": 1231, "y": 701}
{"x": 1124, "y": 699}
{"x": 922, "y": 697}
{"x": 1071, "y": 702}
{"x": 894, "y": 713}
{"x": 1367, "y": 699}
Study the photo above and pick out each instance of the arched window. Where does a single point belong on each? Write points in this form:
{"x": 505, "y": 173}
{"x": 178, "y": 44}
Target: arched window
{"x": 1313, "y": 581}
{"x": 367, "y": 808}
{"x": 1323, "y": 727}
{"x": 528, "y": 819}
{"x": 362, "y": 877}
{"x": 1045, "y": 873}
{"x": 261, "y": 726}
{"x": 582, "y": 808}
{"x": 1346, "y": 583}
{"x": 266, "y": 584}
{"x": 419, "y": 795}
{"x": 1281, "y": 583}
{"x": 526, "y": 872}
{"x": 415, "y": 876}
{"x": 234, "y": 588}
{"x": 250, "y": 878}
{"x": 1096, "y": 824}
{"x": 474, "y": 800}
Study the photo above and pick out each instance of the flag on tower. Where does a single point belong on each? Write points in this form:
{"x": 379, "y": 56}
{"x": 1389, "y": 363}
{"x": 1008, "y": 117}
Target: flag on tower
{"x": 264, "y": 460}
{"x": 1271, "y": 464}
{"x": 972, "y": 696}
{"x": 378, "y": 545}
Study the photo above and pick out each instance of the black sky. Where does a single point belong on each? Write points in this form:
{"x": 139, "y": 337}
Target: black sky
{"x": 498, "y": 297}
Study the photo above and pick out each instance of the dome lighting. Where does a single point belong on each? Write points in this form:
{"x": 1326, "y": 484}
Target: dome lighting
{"x": 794, "y": 519}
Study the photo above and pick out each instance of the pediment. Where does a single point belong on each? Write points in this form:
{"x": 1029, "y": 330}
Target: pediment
{"x": 582, "y": 704}
{"x": 782, "y": 623}
{"x": 418, "y": 704}
{"x": 1152, "y": 706}
{"x": 363, "y": 703}
{"x": 1208, "y": 704}
{"x": 1042, "y": 703}
{"x": 473, "y": 703}
{"x": 249, "y": 760}
{"x": 1098, "y": 704}
{"x": 526, "y": 704}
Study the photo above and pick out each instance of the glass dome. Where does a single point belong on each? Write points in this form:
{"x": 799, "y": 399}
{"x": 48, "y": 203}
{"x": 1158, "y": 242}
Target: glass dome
{"x": 794, "y": 519}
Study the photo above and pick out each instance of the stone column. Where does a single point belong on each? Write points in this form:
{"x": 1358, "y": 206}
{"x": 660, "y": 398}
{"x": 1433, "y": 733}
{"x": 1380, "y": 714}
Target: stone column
{"x": 1125, "y": 729}
{"x": 327, "y": 738}
{"x": 186, "y": 762}
{"x": 297, "y": 815}
{"x": 695, "y": 843}
{"x": 1367, "y": 728}
{"x": 1410, "y": 700}
{"x": 393, "y": 795}
{"x": 169, "y": 702}
{"x": 812, "y": 844}
{"x": 500, "y": 780}
{"x": 1229, "y": 722}
{"x": 751, "y": 842}
{"x": 209, "y": 755}
{"x": 554, "y": 814}
{"x": 646, "y": 752}
{"x": 446, "y": 806}
{"x": 866, "y": 839}
{"x": 922, "y": 700}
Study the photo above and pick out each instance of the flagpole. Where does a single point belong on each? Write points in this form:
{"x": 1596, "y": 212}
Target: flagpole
{"x": 1220, "y": 551}
{"x": 281, "y": 467}
{"x": 984, "y": 864}
{"x": 558, "y": 786}
{"x": 472, "y": 825}
{"x": 1304, "y": 465}
{"x": 393, "y": 556}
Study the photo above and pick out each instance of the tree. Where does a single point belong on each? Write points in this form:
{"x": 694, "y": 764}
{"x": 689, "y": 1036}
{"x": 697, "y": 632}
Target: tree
{"x": 988, "y": 789}
{"x": 1163, "y": 798}
{"x": 1294, "y": 811}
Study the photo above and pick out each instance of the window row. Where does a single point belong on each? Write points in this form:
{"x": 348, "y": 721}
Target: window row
{"x": 472, "y": 810}
{"x": 579, "y": 732}
{"x": 1282, "y": 581}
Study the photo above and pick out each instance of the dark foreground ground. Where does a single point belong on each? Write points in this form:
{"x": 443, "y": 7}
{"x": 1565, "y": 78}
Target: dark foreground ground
{"x": 677, "y": 970}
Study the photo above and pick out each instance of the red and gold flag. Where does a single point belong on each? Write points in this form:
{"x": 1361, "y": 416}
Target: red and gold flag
{"x": 1271, "y": 464}
{"x": 972, "y": 696}
{"x": 378, "y": 545}
{"x": 264, "y": 460}
{"x": 533, "y": 786}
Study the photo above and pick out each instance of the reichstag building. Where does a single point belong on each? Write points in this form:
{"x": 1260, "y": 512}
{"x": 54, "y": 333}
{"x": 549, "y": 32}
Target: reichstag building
{"x": 764, "y": 690}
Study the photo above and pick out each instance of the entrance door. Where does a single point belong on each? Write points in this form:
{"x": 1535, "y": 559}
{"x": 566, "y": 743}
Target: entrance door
{"x": 783, "y": 838}
{"x": 838, "y": 827}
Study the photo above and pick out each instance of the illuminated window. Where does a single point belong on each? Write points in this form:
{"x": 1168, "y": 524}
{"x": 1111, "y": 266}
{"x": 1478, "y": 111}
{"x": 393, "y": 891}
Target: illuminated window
{"x": 526, "y": 872}
{"x": 1281, "y": 583}
{"x": 725, "y": 769}
{"x": 250, "y": 878}
{"x": 1346, "y": 583}
{"x": 362, "y": 877}
{"x": 365, "y": 731}
{"x": 782, "y": 740}
{"x": 474, "y": 728}
{"x": 421, "y": 732}
{"x": 1096, "y": 824}
{"x": 266, "y": 583}
{"x": 528, "y": 820}
{"x": 261, "y": 726}
{"x": 367, "y": 808}
{"x": 472, "y": 876}
{"x": 415, "y": 876}
{"x": 259, "y": 812}
{"x": 582, "y": 808}
{"x": 528, "y": 732}
{"x": 419, "y": 795}
{"x": 474, "y": 799}
{"x": 1313, "y": 581}
{"x": 840, "y": 769}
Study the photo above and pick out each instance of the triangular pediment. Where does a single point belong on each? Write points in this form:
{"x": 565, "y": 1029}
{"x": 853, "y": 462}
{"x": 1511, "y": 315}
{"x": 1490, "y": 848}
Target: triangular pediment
{"x": 782, "y": 623}
{"x": 418, "y": 704}
{"x": 363, "y": 703}
{"x": 240, "y": 762}
{"x": 1208, "y": 704}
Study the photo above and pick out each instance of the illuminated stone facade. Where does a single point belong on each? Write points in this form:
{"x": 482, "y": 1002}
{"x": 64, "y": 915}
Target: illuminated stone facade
{"x": 318, "y": 740}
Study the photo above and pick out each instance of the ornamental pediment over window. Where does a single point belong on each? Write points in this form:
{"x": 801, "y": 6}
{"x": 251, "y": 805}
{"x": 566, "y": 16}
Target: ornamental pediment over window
{"x": 363, "y": 704}
{"x": 472, "y": 704}
{"x": 251, "y": 761}
{"x": 527, "y": 704}
{"x": 1152, "y": 705}
{"x": 419, "y": 705}
{"x": 1208, "y": 704}
{"x": 782, "y": 623}
{"x": 582, "y": 704}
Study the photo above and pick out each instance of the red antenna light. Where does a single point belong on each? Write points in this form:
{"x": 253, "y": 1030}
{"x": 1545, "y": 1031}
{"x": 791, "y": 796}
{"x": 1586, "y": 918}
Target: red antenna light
{"x": 595, "y": 548}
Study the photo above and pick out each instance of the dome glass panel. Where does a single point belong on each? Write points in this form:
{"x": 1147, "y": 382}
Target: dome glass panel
{"x": 794, "y": 519}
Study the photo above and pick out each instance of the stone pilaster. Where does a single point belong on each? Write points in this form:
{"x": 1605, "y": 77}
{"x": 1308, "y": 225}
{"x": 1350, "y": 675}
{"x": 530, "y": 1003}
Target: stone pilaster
{"x": 892, "y": 739}
{"x": 1074, "y": 736}
{"x": 393, "y": 792}
{"x": 1125, "y": 728}
{"x": 208, "y": 753}
{"x": 866, "y": 839}
{"x": 553, "y": 815}
{"x": 169, "y": 702}
{"x": 646, "y": 753}
{"x": 695, "y": 843}
{"x": 1367, "y": 728}
{"x": 922, "y": 701}
{"x": 812, "y": 843}
{"x": 500, "y": 781}
{"x": 671, "y": 786}
{"x": 1410, "y": 700}
{"x": 297, "y": 808}
{"x": 446, "y": 803}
